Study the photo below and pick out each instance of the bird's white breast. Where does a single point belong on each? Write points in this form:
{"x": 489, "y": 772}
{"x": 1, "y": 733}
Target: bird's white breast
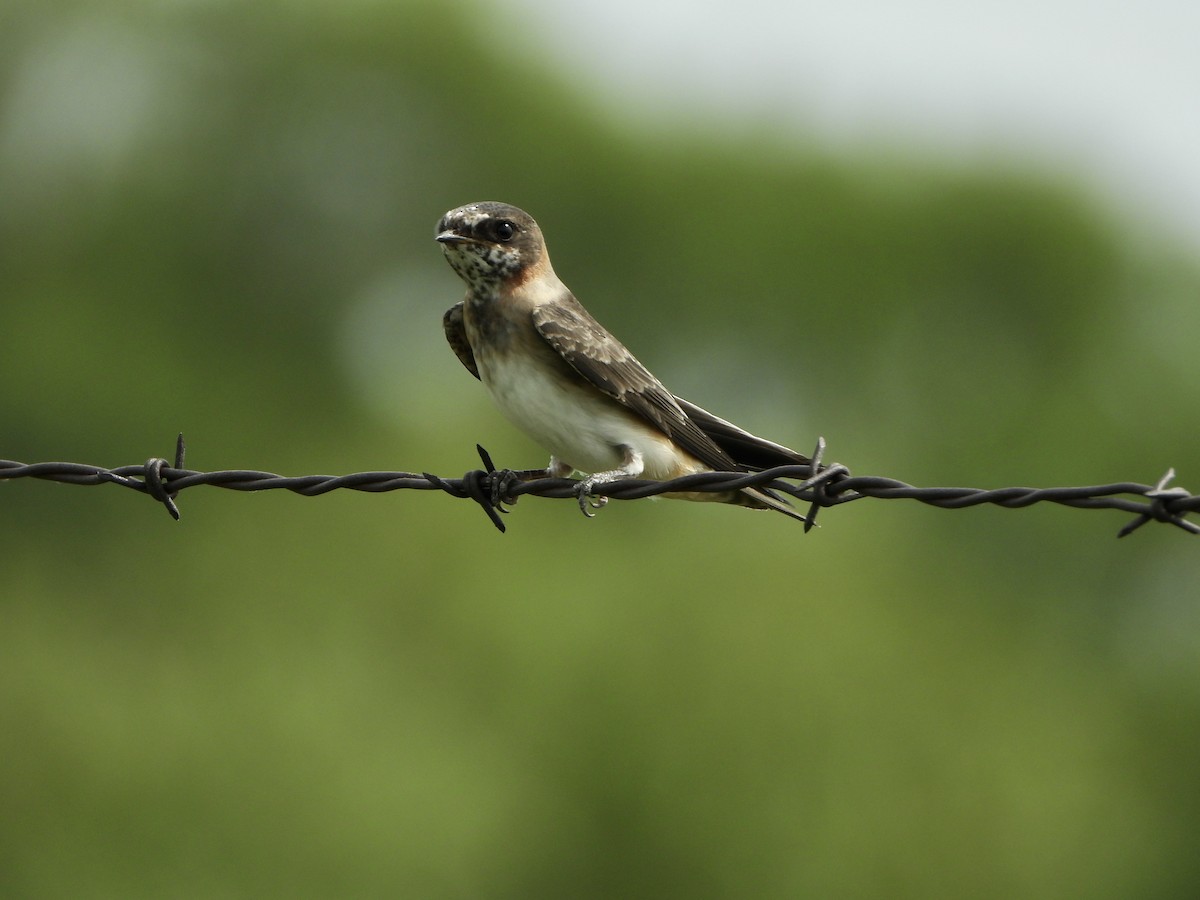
{"x": 577, "y": 423}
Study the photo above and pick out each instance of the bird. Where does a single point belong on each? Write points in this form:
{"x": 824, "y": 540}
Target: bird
{"x": 563, "y": 379}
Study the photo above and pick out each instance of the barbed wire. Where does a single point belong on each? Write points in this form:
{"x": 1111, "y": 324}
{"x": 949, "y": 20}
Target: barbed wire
{"x": 496, "y": 490}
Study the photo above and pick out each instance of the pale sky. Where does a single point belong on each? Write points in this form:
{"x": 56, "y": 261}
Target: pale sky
{"x": 1108, "y": 91}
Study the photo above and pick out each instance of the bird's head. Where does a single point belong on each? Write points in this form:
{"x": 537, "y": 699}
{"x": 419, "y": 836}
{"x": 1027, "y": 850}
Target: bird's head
{"x": 491, "y": 245}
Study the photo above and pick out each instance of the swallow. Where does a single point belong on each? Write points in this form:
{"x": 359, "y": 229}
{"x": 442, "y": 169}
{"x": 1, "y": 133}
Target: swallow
{"x": 572, "y": 387}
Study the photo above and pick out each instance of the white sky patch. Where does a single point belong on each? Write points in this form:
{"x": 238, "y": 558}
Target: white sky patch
{"x": 1100, "y": 89}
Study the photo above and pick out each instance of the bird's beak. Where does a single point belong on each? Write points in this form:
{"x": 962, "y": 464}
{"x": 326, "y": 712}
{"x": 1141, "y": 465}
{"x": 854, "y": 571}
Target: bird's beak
{"x": 453, "y": 237}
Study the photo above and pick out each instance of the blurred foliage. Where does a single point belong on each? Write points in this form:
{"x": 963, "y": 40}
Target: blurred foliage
{"x": 218, "y": 218}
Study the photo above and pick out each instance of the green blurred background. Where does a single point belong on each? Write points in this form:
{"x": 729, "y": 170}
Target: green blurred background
{"x": 218, "y": 219}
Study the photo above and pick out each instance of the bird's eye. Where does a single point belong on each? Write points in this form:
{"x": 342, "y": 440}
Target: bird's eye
{"x": 504, "y": 230}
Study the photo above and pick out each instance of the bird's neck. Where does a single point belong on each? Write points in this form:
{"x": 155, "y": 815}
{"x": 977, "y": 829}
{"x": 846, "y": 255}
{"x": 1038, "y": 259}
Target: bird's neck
{"x": 502, "y": 310}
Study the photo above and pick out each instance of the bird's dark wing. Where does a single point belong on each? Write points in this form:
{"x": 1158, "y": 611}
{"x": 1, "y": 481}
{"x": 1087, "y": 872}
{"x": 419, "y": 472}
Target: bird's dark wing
{"x": 604, "y": 362}
{"x": 456, "y": 335}
{"x": 745, "y": 448}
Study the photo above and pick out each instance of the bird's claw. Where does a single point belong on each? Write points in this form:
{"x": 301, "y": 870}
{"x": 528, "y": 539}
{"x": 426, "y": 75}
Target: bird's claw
{"x": 502, "y": 482}
{"x": 587, "y": 499}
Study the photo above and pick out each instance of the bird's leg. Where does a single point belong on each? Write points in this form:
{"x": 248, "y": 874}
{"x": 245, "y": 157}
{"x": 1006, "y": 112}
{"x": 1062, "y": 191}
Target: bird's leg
{"x": 503, "y": 481}
{"x": 631, "y": 467}
{"x": 532, "y": 474}
{"x": 554, "y": 469}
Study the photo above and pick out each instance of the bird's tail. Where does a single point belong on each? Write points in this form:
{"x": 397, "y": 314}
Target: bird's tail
{"x": 762, "y": 498}
{"x": 746, "y": 449}
{"x": 750, "y": 452}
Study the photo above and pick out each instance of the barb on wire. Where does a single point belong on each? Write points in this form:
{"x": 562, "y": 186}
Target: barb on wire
{"x": 496, "y": 490}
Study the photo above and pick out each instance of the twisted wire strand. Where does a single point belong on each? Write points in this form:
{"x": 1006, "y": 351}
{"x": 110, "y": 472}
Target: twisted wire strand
{"x": 495, "y": 490}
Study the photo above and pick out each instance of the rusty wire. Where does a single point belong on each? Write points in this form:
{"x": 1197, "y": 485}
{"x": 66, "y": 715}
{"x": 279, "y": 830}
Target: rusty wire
{"x": 495, "y": 490}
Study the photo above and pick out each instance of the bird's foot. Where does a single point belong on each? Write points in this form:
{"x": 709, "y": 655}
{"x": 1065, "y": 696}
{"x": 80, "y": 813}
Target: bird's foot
{"x": 504, "y": 480}
{"x": 585, "y": 491}
{"x": 501, "y": 482}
